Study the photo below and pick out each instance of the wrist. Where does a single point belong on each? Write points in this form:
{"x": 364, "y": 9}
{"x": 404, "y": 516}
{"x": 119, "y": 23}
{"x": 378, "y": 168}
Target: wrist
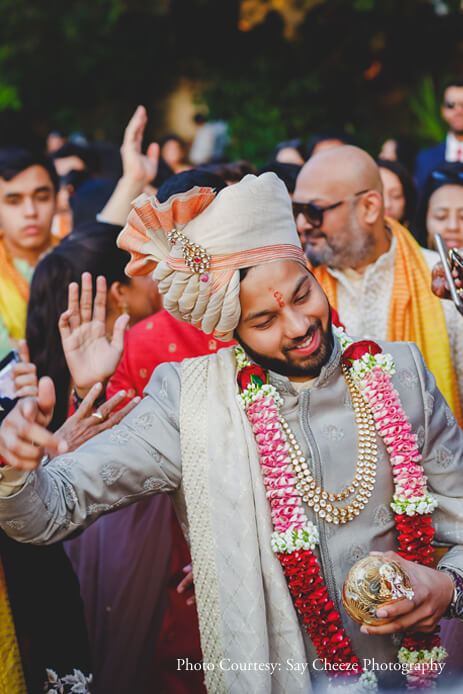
{"x": 449, "y": 589}
{"x": 77, "y": 397}
{"x": 132, "y": 186}
{"x": 455, "y": 603}
{"x": 81, "y": 391}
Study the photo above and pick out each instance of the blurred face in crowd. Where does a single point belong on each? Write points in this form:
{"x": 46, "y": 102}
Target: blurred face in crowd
{"x": 289, "y": 155}
{"x": 27, "y": 206}
{"x": 341, "y": 238}
{"x": 172, "y": 153}
{"x": 64, "y": 165}
{"x": 54, "y": 142}
{"x": 452, "y": 109}
{"x": 285, "y": 322}
{"x": 139, "y": 297}
{"x": 393, "y": 195}
{"x": 326, "y": 144}
{"x": 445, "y": 215}
{"x": 388, "y": 150}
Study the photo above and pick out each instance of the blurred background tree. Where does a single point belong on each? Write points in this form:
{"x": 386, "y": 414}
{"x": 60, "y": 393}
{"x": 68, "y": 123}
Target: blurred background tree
{"x": 274, "y": 69}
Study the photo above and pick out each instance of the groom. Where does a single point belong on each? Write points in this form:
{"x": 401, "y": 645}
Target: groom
{"x": 232, "y": 264}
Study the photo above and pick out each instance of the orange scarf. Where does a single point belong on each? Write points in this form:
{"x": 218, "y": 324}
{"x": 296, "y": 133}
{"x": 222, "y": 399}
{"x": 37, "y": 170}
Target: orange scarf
{"x": 415, "y": 314}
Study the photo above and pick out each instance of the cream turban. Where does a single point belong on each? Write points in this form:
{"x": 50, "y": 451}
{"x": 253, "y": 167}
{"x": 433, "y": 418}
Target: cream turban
{"x": 196, "y": 242}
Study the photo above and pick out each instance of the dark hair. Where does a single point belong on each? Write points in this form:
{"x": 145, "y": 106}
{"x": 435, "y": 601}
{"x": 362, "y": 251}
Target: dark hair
{"x": 405, "y": 151}
{"x": 200, "y": 118}
{"x": 15, "y": 160}
{"x": 287, "y": 172}
{"x": 446, "y": 174}
{"x": 232, "y": 171}
{"x": 334, "y": 134}
{"x": 171, "y": 136}
{"x": 164, "y": 172}
{"x": 454, "y": 82}
{"x": 89, "y": 249}
{"x": 296, "y": 143}
{"x": 184, "y": 181}
{"x": 87, "y": 153}
{"x": 408, "y": 187}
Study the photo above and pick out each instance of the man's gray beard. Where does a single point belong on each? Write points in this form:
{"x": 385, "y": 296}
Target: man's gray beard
{"x": 335, "y": 255}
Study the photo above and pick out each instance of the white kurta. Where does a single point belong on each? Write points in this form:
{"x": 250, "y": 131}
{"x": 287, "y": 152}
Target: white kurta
{"x": 364, "y": 299}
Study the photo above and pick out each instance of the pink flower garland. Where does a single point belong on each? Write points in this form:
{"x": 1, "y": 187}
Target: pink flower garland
{"x": 285, "y": 503}
{"x": 295, "y": 536}
{"x": 411, "y": 500}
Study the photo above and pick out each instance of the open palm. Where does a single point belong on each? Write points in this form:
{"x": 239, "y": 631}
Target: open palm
{"x": 90, "y": 356}
{"x": 139, "y": 166}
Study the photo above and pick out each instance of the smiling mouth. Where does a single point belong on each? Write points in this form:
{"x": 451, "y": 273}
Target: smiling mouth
{"x": 307, "y": 342}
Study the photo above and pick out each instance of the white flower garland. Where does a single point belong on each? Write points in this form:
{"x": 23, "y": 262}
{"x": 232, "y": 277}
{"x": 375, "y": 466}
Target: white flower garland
{"x": 415, "y": 505}
{"x": 294, "y": 538}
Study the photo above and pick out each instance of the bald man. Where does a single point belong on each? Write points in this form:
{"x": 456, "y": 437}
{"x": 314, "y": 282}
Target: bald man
{"x": 372, "y": 269}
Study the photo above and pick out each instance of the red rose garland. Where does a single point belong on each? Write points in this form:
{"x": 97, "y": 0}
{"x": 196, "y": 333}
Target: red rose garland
{"x": 295, "y": 536}
{"x": 319, "y": 616}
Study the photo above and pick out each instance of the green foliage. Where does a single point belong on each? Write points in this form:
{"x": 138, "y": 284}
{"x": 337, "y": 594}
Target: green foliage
{"x": 425, "y": 104}
{"x": 364, "y": 5}
{"x": 9, "y": 98}
{"x": 351, "y": 65}
{"x": 263, "y": 107}
{"x": 255, "y": 122}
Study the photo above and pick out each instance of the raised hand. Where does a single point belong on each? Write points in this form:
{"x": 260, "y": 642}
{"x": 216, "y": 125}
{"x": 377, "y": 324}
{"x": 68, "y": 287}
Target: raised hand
{"x": 90, "y": 356}
{"x": 25, "y": 374}
{"x": 85, "y": 424}
{"x": 138, "y": 170}
{"x": 136, "y": 165}
{"x": 24, "y": 438}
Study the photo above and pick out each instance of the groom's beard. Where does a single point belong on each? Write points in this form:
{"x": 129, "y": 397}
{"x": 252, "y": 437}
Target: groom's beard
{"x": 310, "y": 367}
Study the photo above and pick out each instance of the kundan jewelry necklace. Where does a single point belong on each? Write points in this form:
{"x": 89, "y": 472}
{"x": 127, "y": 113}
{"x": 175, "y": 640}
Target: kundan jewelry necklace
{"x": 289, "y": 482}
{"x": 323, "y": 502}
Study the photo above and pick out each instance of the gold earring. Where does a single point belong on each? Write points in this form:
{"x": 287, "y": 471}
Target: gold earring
{"x": 125, "y": 307}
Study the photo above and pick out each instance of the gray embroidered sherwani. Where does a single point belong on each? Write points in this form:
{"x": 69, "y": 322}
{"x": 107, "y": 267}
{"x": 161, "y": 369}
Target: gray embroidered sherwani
{"x": 142, "y": 456}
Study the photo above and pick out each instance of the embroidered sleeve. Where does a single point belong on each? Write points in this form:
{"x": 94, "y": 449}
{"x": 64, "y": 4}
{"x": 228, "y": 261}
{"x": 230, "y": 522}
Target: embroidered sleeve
{"x": 140, "y": 456}
{"x": 443, "y": 465}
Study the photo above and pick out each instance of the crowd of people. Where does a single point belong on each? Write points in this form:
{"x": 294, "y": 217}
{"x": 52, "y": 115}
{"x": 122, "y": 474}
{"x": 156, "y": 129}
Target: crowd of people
{"x": 137, "y": 510}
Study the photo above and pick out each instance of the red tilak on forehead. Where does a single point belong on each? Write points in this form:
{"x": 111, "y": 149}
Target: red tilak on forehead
{"x": 278, "y": 296}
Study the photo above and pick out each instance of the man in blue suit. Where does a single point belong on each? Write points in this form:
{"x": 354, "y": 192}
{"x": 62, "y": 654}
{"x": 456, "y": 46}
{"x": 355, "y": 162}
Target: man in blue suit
{"x": 452, "y": 147}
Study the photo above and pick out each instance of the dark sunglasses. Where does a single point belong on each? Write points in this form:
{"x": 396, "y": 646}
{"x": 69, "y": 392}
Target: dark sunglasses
{"x": 314, "y": 213}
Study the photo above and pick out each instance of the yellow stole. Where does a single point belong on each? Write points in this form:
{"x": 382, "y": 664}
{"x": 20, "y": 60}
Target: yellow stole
{"x": 415, "y": 314}
{"x": 14, "y": 294}
{"x": 11, "y": 672}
